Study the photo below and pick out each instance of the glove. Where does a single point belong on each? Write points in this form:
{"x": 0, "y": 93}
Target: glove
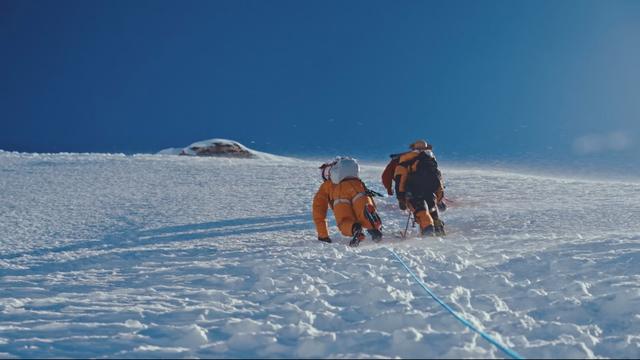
{"x": 389, "y": 192}
{"x": 442, "y": 206}
{"x": 325, "y": 239}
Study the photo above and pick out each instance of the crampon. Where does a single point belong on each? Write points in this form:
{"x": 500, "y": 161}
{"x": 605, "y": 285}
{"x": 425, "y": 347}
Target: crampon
{"x": 373, "y": 217}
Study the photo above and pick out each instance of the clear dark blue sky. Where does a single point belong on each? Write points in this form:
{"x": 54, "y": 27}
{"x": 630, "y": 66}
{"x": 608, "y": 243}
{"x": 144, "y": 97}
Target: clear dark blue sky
{"x": 490, "y": 78}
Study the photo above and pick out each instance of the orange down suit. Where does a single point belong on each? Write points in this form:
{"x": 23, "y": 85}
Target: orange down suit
{"x": 321, "y": 203}
{"x": 348, "y": 200}
{"x": 389, "y": 174}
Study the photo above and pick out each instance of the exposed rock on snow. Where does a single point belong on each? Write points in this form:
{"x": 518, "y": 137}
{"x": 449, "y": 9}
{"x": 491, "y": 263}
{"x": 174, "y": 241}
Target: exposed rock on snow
{"x": 218, "y": 148}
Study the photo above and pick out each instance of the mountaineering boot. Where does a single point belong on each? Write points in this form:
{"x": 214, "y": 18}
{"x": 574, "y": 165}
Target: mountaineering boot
{"x": 428, "y": 231}
{"x": 376, "y": 235}
{"x": 438, "y": 227}
{"x": 357, "y": 235}
{"x": 325, "y": 239}
{"x": 373, "y": 217}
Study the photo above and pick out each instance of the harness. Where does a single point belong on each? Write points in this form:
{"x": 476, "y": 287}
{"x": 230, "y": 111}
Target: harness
{"x": 366, "y": 192}
{"x": 349, "y": 201}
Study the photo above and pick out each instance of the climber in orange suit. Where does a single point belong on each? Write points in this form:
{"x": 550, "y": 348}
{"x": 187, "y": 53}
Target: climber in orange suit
{"x": 351, "y": 201}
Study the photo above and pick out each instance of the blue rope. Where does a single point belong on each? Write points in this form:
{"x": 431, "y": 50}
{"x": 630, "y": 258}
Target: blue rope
{"x": 511, "y": 353}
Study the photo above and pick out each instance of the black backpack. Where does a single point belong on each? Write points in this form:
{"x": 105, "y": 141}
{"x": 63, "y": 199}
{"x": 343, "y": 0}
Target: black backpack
{"x": 423, "y": 177}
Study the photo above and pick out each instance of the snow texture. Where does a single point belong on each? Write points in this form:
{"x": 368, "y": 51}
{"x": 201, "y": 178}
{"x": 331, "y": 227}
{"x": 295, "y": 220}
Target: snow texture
{"x": 165, "y": 256}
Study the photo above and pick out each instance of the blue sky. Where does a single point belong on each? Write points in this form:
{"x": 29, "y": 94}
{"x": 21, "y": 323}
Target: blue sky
{"x": 476, "y": 78}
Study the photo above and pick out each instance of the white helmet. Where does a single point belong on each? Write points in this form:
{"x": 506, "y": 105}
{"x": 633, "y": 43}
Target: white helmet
{"x": 345, "y": 167}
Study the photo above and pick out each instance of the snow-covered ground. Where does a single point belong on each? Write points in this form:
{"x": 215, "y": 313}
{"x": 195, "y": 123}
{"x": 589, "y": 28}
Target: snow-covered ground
{"x": 166, "y": 256}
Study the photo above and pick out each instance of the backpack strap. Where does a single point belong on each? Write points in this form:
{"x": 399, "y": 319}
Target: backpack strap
{"x": 408, "y": 163}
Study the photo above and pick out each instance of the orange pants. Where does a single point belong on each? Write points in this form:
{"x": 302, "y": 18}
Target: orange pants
{"x": 420, "y": 212}
{"x": 349, "y": 203}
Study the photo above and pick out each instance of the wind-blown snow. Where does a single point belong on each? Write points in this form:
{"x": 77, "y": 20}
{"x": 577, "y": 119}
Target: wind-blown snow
{"x": 162, "y": 256}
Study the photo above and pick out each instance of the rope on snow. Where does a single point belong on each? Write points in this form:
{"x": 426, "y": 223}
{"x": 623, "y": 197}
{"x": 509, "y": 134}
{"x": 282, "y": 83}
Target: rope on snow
{"x": 511, "y": 353}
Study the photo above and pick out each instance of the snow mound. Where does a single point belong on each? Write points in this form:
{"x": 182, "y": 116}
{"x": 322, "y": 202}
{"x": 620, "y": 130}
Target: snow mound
{"x": 219, "y": 148}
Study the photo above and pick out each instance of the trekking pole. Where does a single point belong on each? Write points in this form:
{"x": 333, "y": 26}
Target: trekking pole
{"x": 406, "y": 228}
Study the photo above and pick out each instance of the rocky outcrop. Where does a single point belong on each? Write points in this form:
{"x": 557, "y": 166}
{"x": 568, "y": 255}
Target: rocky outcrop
{"x": 218, "y": 147}
{"x": 221, "y": 148}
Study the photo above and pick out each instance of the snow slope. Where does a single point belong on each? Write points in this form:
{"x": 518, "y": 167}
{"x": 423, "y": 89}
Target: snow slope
{"x": 163, "y": 256}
